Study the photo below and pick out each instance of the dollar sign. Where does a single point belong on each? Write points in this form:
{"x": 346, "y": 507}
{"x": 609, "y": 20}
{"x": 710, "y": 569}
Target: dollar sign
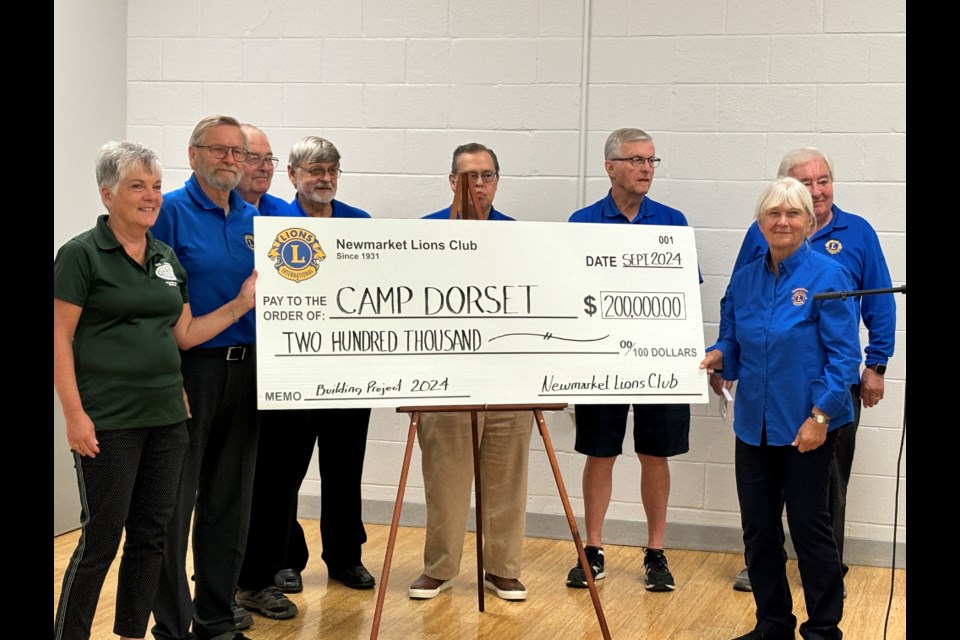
{"x": 590, "y": 308}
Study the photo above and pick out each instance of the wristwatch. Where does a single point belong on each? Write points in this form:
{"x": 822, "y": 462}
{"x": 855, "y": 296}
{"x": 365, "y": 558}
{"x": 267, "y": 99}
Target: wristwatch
{"x": 819, "y": 418}
{"x": 879, "y": 369}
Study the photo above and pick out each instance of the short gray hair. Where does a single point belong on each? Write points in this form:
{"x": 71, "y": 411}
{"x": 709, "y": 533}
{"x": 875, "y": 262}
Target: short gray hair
{"x": 116, "y": 159}
{"x": 620, "y": 137}
{"x": 788, "y": 191}
{"x": 800, "y": 156}
{"x": 312, "y": 149}
{"x": 217, "y": 120}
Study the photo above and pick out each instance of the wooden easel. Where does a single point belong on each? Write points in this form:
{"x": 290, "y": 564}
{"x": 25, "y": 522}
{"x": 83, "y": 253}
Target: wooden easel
{"x": 466, "y": 206}
{"x": 561, "y": 489}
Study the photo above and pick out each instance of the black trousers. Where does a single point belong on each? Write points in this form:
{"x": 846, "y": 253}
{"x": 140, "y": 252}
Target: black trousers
{"x": 131, "y": 484}
{"x": 216, "y": 484}
{"x": 840, "y": 470}
{"x": 287, "y": 439}
{"x": 767, "y": 478}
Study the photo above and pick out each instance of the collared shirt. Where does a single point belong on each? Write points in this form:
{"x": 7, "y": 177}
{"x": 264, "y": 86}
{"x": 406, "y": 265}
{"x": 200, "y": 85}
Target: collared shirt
{"x": 273, "y": 206}
{"x": 215, "y": 249}
{"x": 651, "y": 212}
{"x": 124, "y": 354}
{"x": 789, "y": 351}
{"x": 445, "y": 214}
{"x": 605, "y": 211}
{"x": 851, "y": 241}
{"x": 340, "y": 210}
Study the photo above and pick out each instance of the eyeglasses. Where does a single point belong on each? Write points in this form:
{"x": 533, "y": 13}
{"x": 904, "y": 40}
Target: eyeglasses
{"x": 257, "y": 161}
{"x": 219, "y": 152}
{"x": 639, "y": 161}
{"x": 318, "y": 172}
{"x": 486, "y": 176}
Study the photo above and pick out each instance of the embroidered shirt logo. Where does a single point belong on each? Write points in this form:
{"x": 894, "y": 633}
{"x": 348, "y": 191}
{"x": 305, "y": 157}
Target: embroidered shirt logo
{"x": 833, "y": 247}
{"x": 248, "y": 238}
{"x": 296, "y": 254}
{"x": 799, "y": 296}
{"x": 164, "y": 271}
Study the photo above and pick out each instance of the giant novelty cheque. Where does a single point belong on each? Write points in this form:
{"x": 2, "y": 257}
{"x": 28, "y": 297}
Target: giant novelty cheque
{"x": 383, "y": 313}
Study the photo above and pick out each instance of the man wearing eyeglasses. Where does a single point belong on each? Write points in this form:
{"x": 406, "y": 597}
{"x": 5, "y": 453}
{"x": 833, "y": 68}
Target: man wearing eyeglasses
{"x": 258, "y": 171}
{"x": 314, "y": 170}
{"x": 659, "y": 431}
{"x": 447, "y": 451}
{"x": 276, "y": 549}
{"x": 210, "y": 227}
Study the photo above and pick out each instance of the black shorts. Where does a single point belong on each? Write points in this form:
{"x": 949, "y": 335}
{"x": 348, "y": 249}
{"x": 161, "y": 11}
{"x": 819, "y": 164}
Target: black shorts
{"x": 661, "y": 430}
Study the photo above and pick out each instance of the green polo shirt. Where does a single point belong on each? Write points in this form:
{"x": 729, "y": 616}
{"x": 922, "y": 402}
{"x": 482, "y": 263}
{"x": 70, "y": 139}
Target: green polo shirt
{"x": 126, "y": 359}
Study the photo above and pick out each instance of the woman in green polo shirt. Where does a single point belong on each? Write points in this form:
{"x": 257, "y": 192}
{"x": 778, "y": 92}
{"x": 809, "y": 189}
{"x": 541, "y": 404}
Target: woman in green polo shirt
{"x": 120, "y": 312}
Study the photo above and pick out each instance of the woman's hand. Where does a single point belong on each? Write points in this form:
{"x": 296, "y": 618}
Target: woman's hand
{"x": 713, "y": 362}
{"x": 81, "y": 436}
{"x": 811, "y": 435}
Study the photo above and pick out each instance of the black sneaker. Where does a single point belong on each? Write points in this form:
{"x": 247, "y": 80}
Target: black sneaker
{"x": 269, "y": 602}
{"x": 658, "y": 577}
{"x": 577, "y": 578}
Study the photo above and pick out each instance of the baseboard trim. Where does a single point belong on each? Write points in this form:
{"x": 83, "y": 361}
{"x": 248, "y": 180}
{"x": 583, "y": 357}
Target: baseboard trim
{"x": 872, "y": 553}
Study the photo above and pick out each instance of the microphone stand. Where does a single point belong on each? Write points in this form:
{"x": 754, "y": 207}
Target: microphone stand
{"x": 843, "y": 295}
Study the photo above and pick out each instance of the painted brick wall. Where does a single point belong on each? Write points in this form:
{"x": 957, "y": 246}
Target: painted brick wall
{"x": 725, "y": 86}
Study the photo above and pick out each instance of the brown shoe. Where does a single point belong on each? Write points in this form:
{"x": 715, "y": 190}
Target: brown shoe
{"x": 505, "y": 588}
{"x": 425, "y": 587}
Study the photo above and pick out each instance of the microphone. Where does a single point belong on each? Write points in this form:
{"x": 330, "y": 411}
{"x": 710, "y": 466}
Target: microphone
{"x": 830, "y": 295}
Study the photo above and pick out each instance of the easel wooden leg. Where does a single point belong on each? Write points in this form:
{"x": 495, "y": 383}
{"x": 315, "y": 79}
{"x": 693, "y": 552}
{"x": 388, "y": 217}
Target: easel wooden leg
{"x": 474, "y": 428}
{"x": 394, "y": 525}
{"x": 591, "y": 584}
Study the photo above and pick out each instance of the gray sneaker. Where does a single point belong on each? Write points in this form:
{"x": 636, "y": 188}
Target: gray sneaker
{"x": 242, "y": 619}
{"x": 742, "y": 581}
{"x": 269, "y": 603}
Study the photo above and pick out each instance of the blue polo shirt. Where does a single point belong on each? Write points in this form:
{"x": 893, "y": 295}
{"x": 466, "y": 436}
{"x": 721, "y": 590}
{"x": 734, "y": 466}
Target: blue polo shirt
{"x": 789, "y": 351}
{"x": 851, "y": 241}
{"x": 651, "y": 212}
{"x": 215, "y": 249}
{"x": 273, "y": 206}
{"x": 445, "y": 213}
{"x": 605, "y": 211}
{"x": 340, "y": 210}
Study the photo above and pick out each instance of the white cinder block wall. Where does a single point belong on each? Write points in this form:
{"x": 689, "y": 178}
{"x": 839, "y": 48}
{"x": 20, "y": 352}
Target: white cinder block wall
{"x": 725, "y": 86}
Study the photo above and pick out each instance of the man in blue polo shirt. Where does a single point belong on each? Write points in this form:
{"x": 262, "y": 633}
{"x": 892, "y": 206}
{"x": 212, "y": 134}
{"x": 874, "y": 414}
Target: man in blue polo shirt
{"x": 276, "y": 549}
{"x": 210, "y": 227}
{"x": 849, "y": 239}
{"x": 258, "y": 174}
{"x": 659, "y": 431}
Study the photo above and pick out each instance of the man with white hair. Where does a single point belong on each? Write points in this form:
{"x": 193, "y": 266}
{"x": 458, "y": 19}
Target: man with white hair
{"x": 275, "y": 546}
{"x": 258, "y": 171}
{"x": 210, "y": 227}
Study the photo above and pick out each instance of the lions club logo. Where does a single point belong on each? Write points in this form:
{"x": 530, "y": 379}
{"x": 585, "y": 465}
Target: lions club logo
{"x": 799, "y": 296}
{"x": 833, "y": 247}
{"x": 296, "y": 254}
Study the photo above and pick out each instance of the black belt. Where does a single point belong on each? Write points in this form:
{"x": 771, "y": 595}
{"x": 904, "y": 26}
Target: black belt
{"x": 239, "y": 352}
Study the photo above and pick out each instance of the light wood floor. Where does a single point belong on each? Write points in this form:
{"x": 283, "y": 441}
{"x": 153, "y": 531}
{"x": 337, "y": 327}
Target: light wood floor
{"x": 704, "y": 607}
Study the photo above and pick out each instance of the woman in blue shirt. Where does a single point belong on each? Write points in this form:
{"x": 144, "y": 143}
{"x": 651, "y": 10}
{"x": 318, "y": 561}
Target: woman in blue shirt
{"x": 795, "y": 358}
